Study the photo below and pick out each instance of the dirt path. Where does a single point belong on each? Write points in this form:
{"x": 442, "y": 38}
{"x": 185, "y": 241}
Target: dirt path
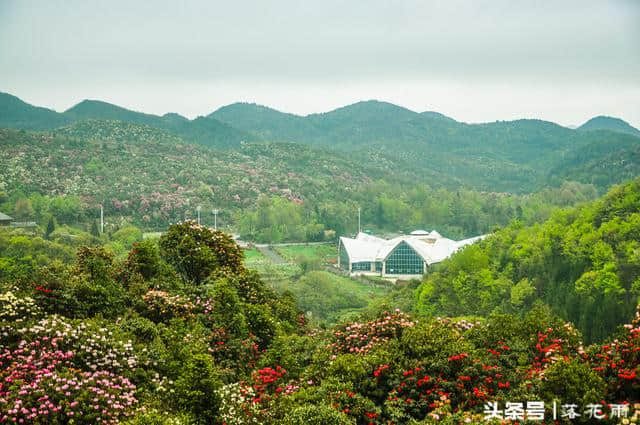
{"x": 272, "y": 255}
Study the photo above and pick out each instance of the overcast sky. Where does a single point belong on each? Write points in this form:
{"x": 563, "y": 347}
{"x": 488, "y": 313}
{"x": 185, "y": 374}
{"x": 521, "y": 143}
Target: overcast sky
{"x": 476, "y": 61}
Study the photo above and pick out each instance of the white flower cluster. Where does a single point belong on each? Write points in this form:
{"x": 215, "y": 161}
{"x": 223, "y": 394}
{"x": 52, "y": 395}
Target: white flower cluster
{"x": 96, "y": 348}
{"x": 162, "y": 384}
{"x": 237, "y": 406}
{"x": 17, "y": 309}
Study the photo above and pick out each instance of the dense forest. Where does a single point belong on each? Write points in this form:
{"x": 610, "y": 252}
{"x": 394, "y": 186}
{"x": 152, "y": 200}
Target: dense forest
{"x": 179, "y": 331}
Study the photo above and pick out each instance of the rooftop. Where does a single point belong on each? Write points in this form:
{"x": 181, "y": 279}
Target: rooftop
{"x": 431, "y": 246}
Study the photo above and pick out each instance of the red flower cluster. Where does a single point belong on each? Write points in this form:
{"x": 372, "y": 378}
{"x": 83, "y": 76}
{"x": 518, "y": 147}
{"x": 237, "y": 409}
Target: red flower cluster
{"x": 457, "y": 357}
{"x": 380, "y": 369}
{"x": 42, "y": 289}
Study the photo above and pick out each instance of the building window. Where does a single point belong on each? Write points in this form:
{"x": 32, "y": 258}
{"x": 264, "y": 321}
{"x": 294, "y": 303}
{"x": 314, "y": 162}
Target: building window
{"x": 404, "y": 260}
{"x": 344, "y": 258}
{"x": 378, "y": 266}
{"x": 361, "y": 266}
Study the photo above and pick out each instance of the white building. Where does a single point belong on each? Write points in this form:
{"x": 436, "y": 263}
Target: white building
{"x": 406, "y": 256}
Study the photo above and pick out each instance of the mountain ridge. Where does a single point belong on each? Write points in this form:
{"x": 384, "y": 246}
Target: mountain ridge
{"x": 509, "y": 156}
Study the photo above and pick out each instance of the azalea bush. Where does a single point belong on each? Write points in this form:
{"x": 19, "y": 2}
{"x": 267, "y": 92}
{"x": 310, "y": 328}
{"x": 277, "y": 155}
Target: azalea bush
{"x": 17, "y": 309}
{"x": 359, "y": 337}
{"x": 38, "y": 383}
{"x": 95, "y": 347}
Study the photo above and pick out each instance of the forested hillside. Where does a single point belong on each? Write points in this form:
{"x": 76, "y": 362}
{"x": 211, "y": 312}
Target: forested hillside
{"x": 583, "y": 262}
{"x": 267, "y": 191}
{"x": 513, "y": 156}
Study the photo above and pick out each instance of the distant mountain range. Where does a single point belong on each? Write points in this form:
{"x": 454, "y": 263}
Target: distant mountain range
{"x": 514, "y": 156}
{"x": 14, "y": 113}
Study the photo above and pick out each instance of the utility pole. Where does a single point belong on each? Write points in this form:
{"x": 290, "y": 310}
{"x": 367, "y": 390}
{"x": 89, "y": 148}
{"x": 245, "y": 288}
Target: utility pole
{"x": 101, "y": 219}
{"x": 198, "y": 208}
{"x": 215, "y": 218}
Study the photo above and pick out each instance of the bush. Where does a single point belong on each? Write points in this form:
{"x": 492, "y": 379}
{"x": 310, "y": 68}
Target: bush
{"x": 316, "y": 415}
{"x": 86, "y": 298}
{"x": 572, "y": 381}
{"x": 144, "y": 258}
{"x": 195, "y": 389}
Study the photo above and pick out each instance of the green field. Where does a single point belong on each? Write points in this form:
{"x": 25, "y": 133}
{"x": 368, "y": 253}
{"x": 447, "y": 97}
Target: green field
{"x": 253, "y": 258}
{"x": 324, "y": 296}
{"x": 325, "y": 253}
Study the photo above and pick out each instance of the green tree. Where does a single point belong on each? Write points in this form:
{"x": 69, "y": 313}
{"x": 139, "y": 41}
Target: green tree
{"x": 196, "y": 251}
{"x": 51, "y": 227}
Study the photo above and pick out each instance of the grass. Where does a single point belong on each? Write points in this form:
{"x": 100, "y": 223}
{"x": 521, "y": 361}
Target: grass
{"x": 325, "y": 296}
{"x": 254, "y": 258}
{"x": 325, "y": 253}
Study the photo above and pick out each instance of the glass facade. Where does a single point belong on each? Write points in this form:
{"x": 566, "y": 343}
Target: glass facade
{"x": 361, "y": 266}
{"x": 404, "y": 260}
{"x": 344, "y": 258}
{"x": 378, "y": 266}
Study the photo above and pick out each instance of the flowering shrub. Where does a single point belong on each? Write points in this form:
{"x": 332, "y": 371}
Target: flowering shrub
{"x": 251, "y": 402}
{"x": 553, "y": 345}
{"x": 618, "y": 362}
{"x": 237, "y": 406}
{"x": 362, "y": 337}
{"x": 17, "y": 309}
{"x": 468, "y": 381}
{"x": 38, "y": 384}
{"x": 163, "y": 306}
{"x": 94, "y": 347}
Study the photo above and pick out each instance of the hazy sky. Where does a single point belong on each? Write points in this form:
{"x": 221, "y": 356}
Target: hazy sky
{"x": 564, "y": 61}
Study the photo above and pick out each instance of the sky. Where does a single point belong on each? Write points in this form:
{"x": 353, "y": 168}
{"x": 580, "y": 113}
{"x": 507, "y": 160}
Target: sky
{"x": 476, "y": 60}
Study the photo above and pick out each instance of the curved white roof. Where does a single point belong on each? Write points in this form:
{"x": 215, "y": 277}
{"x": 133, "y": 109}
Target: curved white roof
{"x": 432, "y": 247}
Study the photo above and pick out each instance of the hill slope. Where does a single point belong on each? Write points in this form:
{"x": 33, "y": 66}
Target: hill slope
{"x": 514, "y": 156}
{"x": 583, "y": 262}
{"x": 14, "y": 113}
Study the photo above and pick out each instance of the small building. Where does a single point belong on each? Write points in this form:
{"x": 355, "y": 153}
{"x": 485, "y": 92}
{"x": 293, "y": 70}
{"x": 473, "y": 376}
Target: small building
{"x": 5, "y": 220}
{"x": 406, "y": 256}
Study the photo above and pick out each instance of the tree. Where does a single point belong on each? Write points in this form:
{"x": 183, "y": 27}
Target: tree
{"x": 23, "y": 209}
{"x": 195, "y": 251}
{"x": 51, "y": 226}
{"x": 94, "y": 229}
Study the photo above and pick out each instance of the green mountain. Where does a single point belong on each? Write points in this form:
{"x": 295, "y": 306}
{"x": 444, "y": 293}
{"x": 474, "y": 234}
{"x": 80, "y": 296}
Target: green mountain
{"x": 606, "y": 161}
{"x": 14, "y": 113}
{"x": 205, "y": 131}
{"x": 609, "y": 123}
{"x": 506, "y": 156}
{"x": 513, "y": 156}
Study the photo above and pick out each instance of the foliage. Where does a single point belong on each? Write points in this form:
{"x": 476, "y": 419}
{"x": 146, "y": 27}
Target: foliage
{"x": 197, "y": 251}
{"x": 583, "y": 262}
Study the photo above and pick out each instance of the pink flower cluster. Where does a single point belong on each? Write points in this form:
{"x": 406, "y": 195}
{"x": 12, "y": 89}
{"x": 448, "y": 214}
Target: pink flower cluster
{"x": 39, "y": 385}
{"x": 362, "y": 337}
